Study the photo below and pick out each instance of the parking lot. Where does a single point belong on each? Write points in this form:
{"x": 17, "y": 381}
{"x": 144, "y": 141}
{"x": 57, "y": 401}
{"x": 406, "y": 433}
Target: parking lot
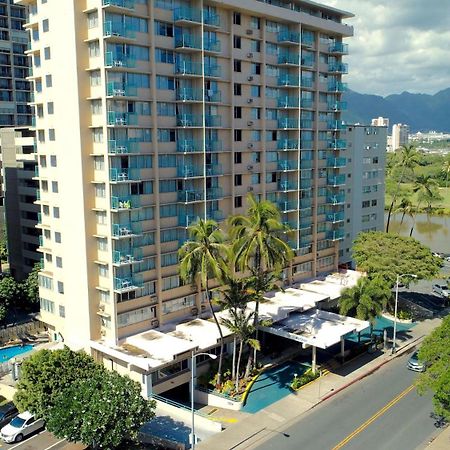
{"x": 42, "y": 440}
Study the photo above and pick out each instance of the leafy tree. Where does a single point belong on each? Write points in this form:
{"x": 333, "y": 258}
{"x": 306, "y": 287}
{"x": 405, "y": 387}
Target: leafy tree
{"x": 100, "y": 411}
{"x": 366, "y": 300}
{"x": 31, "y": 285}
{"x": 3, "y": 246}
{"x": 446, "y": 170}
{"x": 435, "y": 353}
{"x": 388, "y": 255}
{"x": 10, "y": 294}
{"x": 202, "y": 258}
{"x": 405, "y": 207}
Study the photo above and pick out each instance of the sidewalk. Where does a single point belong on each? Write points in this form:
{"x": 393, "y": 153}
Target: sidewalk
{"x": 442, "y": 441}
{"x": 257, "y": 427}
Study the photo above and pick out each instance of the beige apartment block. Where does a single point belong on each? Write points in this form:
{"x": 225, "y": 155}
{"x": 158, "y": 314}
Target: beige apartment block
{"x": 151, "y": 114}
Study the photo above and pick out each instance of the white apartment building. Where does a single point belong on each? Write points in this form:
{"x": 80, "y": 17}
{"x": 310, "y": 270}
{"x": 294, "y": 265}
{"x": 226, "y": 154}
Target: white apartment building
{"x": 380, "y": 122}
{"x": 400, "y": 135}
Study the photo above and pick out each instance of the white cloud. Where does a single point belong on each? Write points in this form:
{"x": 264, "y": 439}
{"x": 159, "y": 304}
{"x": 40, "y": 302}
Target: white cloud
{"x": 399, "y": 45}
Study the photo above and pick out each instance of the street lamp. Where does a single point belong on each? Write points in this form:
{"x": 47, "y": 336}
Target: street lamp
{"x": 395, "y": 307}
{"x": 194, "y": 355}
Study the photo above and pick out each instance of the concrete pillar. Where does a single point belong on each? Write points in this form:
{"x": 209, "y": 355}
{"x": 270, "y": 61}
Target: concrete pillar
{"x": 342, "y": 348}
{"x": 314, "y": 360}
{"x": 147, "y": 385}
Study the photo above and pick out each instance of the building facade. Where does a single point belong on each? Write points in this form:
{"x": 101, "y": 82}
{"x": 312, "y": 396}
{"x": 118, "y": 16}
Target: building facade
{"x": 15, "y": 90}
{"x": 400, "y": 135}
{"x": 19, "y": 186}
{"x": 365, "y": 184}
{"x": 150, "y": 115}
{"x": 380, "y": 122}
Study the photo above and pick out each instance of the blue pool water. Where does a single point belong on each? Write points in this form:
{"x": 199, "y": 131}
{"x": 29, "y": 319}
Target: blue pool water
{"x": 10, "y": 352}
{"x": 272, "y": 386}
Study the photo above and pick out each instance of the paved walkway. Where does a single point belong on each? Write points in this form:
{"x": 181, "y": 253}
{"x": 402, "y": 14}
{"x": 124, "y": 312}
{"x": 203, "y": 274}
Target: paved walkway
{"x": 442, "y": 442}
{"x": 254, "y": 427}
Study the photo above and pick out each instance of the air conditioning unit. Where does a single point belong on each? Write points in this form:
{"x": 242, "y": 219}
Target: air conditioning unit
{"x": 250, "y": 78}
{"x": 249, "y": 167}
{"x": 249, "y": 55}
{"x": 249, "y": 31}
{"x": 194, "y": 311}
{"x": 250, "y": 145}
{"x": 154, "y": 323}
{"x": 250, "y": 189}
{"x": 250, "y": 100}
{"x": 250, "y": 123}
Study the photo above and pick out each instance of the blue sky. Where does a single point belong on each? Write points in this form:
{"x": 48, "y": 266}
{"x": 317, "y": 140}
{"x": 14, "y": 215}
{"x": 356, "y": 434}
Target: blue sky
{"x": 399, "y": 45}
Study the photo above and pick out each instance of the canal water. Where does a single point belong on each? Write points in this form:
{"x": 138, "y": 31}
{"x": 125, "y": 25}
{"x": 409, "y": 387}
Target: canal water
{"x": 432, "y": 231}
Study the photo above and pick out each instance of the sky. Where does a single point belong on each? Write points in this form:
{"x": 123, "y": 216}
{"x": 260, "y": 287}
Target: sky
{"x": 398, "y": 45}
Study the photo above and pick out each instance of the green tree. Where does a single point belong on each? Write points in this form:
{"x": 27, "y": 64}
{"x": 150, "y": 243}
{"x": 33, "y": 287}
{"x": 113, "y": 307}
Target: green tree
{"x": 3, "y": 246}
{"x": 10, "y": 294}
{"x": 446, "y": 170}
{"x": 202, "y": 258}
{"x": 389, "y": 255}
{"x": 31, "y": 285}
{"x": 408, "y": 159}
{"x": 258, "y": 242}
{"x": 405, "y": 207}
{"x": 100, "y": 411}
{"x": 435, "y": 353}
{"x": 366, "y": 300}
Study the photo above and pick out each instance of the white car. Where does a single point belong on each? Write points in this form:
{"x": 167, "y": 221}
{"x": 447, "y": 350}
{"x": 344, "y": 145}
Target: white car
{"x": 21, "y": 426}
{"x": 441, "y": 290}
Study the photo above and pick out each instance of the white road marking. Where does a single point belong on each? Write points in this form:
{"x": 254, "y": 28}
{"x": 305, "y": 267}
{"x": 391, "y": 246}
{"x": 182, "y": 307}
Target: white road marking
{"x": 28, "y": 440}
{"x": 54, "y": 445}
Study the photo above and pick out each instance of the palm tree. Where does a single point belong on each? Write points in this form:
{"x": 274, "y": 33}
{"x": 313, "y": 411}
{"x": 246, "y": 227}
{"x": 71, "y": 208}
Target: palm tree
{"x": 408, "y": 159}
{"x": 446, "y": 170}
{"x": 366, "y": 300}
{"x": 202, "y": 258}
{"x": 405, "y": 207}
{"x": 258, "y": 241}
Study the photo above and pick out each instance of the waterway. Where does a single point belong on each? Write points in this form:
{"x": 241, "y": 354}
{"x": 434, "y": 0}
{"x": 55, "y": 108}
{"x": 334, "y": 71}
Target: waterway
{"x": 432, "y": 231}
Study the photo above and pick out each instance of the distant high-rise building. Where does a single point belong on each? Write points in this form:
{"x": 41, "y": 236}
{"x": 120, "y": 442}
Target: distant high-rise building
{"x": 15, "y": 90}
{"x": 366, "y": 151}
{"x": 380, "y": 122}
{"x": 400, "y": 135}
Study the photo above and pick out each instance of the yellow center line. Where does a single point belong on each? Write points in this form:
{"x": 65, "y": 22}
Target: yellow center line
{"x": 374, "y": 417}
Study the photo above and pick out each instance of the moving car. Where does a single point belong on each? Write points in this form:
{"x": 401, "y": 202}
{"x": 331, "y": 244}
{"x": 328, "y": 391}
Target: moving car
{"x": 7, "y": 412}
{"x": 441, "y": 289}
{"x": 415, "y": 364}
{"x": 21, "y": 426}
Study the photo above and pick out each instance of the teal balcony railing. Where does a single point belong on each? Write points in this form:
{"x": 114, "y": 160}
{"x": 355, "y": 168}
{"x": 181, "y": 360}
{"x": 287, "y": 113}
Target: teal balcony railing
{"x": 186, "y": 40}
{"x": 288, "y": 102}
{"x": 124, "y": 230}
{"x": 212, "y": 45}
{"x": 125, "y": 257}
{"x": 190, "y": 171}
{"x": 189, "y": 94}
{"x": 213, "y": 170}
{"x": 213, "y": 146}
{"x": 127, "y": 283}
{"x": 189, "y": 120}
{"x": 39, "y": 217}
{"x": 335, "y": 125}
{"x": 119, "y": 89}
{"x": 288, "y": 37}
{"x": 188, "y": 68}
{"x": 189, "y": 146}
{"x": 337, "y": 199}
{"x": 36, "y": 171}
{"x": 305, "y": 203}
{"x": 335, "y": 235}
{"x": 306, "y": 144}
{"x": 337, "y": 180}
{"x": 41, "y": 241}
{"x": 212, "y": 71}
{"x": 288, "y": 122}
{"x": 213, "y": 121}
{"x": 306, "y": 103}
{"x": 187, "y": 14}
{"x": 284, "y": 185}
{"x": 216, "y": 215}
{"x": 336, "y": 162}
{"x": 122, "y": 147}
{"x": 306, "y": 82}
{"x": 338, "y": 47}
{"x": 305, "y": 223}
{"x": 306, "y": 123}
{"x": 290, "y": 224}
{"x": 287, "y": 206}
{"x": 337, "y": 144}
{"x": 116, "y": 29}
{"x": 186, "y": 220}
{"x": 122, "y": 118}
{"x": 305, "y": 241}
{"x": 214, "y": 193}
{"x": 335, "y": 217}
{"x": 191, "y": 195}
{"x": 211, "y": 19}
{"x": 38, "y": 194}
{"x": 337, "y": 106}
{"x": 288, "y": 144}
{"x": 306, "y": 164}
{"x": 307, "y": 40}
{"x": 125, "y": 202}
{"x": 305, "y": 183}
{"x": 118, "y": 175}
{"x": 288, "y": 80}
{"x": 338, "y": 68}
{"x": 287, "y": 165}
{"x": 115, "y": 60}
{"x": 128, "y": 4}
{"x": 289, "y": 59}
{"x": 213, "y": 96}
{"x": 337, "y": 87}
{"x": 307, "y": 62}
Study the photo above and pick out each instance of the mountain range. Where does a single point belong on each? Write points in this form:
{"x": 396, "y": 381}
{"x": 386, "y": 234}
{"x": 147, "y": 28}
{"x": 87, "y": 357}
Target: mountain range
{"x": 422, "y": 112}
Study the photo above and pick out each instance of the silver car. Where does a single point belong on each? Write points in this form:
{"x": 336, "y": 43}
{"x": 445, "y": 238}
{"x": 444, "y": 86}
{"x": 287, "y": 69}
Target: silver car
{"x": 415, "y": 364}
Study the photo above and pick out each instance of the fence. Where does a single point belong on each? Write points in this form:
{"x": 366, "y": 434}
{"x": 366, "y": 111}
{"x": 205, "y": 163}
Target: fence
{"x": 20, "y": 331}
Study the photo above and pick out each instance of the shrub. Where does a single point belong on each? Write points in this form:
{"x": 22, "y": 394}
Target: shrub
{"x": 303, "y": 379}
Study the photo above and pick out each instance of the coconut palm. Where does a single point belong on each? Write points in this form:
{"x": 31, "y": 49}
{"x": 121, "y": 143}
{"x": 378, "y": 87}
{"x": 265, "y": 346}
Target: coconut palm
{"x": 405, "y": 207}
{"x": 258, "y": 241}
{"x": 202, "y": 258}
{"x": 446, "y": 170}
{"x": 408, "y": 159}
{"x": 366, "y": 300}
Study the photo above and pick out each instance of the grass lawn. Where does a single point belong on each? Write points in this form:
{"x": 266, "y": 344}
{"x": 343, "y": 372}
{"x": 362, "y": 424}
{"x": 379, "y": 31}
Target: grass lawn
{"x": 445, "y": 193}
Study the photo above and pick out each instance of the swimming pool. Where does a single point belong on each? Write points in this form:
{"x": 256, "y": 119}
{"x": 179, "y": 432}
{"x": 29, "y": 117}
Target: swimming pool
{"x": 10, "y": 352}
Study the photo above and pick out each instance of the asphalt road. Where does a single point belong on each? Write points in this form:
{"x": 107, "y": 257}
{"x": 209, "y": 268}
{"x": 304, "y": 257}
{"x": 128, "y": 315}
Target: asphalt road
{"x": 380, "y": 412}
{"x": 42, "y": 440}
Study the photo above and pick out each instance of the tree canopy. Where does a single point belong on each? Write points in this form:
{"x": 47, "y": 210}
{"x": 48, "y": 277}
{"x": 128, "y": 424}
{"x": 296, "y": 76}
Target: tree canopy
{"x": 435, "y": 353}
{"x": 389, "y": 255}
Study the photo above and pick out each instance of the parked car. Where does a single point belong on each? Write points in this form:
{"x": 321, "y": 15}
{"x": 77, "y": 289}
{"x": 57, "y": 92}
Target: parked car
{"x": 441, "y": 289}
{"x": 415, "y": 364}
{"x": 20, "y": 427}
{"x": 7, "y": 412}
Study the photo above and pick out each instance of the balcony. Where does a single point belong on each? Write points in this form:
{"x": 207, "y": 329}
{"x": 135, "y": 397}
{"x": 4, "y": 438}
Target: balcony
{"x": 290, "y": 59}
{"x": 305, "y": 183}
{"x": 214, "y": 193}
{"x": 335, "y": 125}
{"x": 305, "y": 203}
{"x": 111, "y": 29}
{"x": 306, "y": 164}
{"x": 190, "y": 171}
{"x": 213, "y": 121}
{"x": 38, "y": 194}
{"x": 288, "y": 144}
{"x": 214, "y": 170}
{"x": 288, "y": 102}
{"x": 212, "y": 45}
{"x": 286, "y": 165}
{"x": 128, "y": 4}
{"x": 337, "y": 144}
{"x": 115, "y": 60}
{"x": 306, "y": 144}
{"x": 305, "y": 223}
{"x": 306, "y": 123}
{"x": 191, "y": 195}
{"x": 338, "y": 68}
{"x": 189, "y": 120}
{"x": 306, "y": 82}
{"x": 216, "y": 215}
{"x": 288, "y": 123}
{"x": 211, "y": 19}
{"x": 125, "y": 202}
{"x": 338, "y": 199}
{"x": 188, "y": 68}
{"x": 213, "y": 71}
{"x": 186, "y": 14}
{"x": 336, "y": 162}
{"x": 337, "y": 87}
{"x": 116, "y": 147}
{"x": 288, "y": 81}
{"x": 189, "y": 146}
{"x": 307, "y": 41}
{"x": 305, "y": 241}
{"x": 127, "y": 283}
{"x": 337, "y": 106}
{"x": 121, "y": 175}
{"x": 307, "y": 62}
{"x": 286, "y": 186}
{"x": 288, "y": 37}
{"x": 120, "y": 89}
{"x": 126, "y": 230}
{"x": 122, "y": 118}
{"x": 335, "y": 235}
{"x": 290, "y": 224}
{"x": 188, "y": 42}
{"x": 338, "y": 180}
{"x": 213, "y": 146}
{"x": 189, "y": 94}
{"x": 306, "y": 103}
{"x": 335, "y": 217}
{"x": 130, "y": 256}
{"x": 338, "y": 48}
{"x": 213, "y": 96}
{"x": 185, "y": 220}
{"x": 287, "y": 206}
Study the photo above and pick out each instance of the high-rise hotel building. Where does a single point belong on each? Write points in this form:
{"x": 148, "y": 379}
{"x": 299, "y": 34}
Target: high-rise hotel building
{"x": 151, "y": 114}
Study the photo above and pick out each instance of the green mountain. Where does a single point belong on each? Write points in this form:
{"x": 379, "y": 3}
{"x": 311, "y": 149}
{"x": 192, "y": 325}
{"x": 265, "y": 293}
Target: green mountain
{"x": 422, "y": 112}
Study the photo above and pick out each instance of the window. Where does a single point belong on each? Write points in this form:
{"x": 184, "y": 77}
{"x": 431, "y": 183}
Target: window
{"x": 57, "y": 237}
{"x": 255, "y": 23}
{"x": 60, "y": 287}
{"x": 237, "y": 135}
{"x": 171, "y": 282}
{"x": 104, "y": 296}
{"x": 164, "y": 56}
{"x": 101, "y": 217}
{"x": 238, "y": 112}
{"x": 165, "y": 109}
{"x": 238, "y": 202}
{"x": 94, "y": 49}
{"x": 55, "y": 187}
{"x": 58, "y": 261}
{"x": 255, "y": 91}
{"x": 96, "y": 107}
{"x": 178, "y": 304}
{"x": 163, "y": 28}
{"x": 100, "y": 190}
{"x": 237, "y": 88}
{"x": 56, "y": 212}
{"x": 102, "y": 244}
{"x": 47, "y": 305}
{"x": 45, "y": 26}
{"x": 136, "y": 316}
{"x": 50, "y": 108}
{"x": 237, "y": 65}
{"x": 92, "y": 20}
{"x": 166, "y": 135}
{"x": 256, "y": 178}
{"x": 236, "y": 41}
{"x": 238, "y": 158}
{"x": 238, "y": 180}
{"x": 374, "y": 202}
{"x": 236, "y": 18}
{"x": 97, "y": 135}
{"x": 95, "y": 78}
{"x": 103, "y": 270}
{"x": 165, "y": 83}
{"x": 256, "y": 69}
{"x": 62, "y": 311}
{"x": 255, "y": 46}
{"x": 47, "y": 53}
{"x": 366, "y": 203}
{"x": 51, "y": 134}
